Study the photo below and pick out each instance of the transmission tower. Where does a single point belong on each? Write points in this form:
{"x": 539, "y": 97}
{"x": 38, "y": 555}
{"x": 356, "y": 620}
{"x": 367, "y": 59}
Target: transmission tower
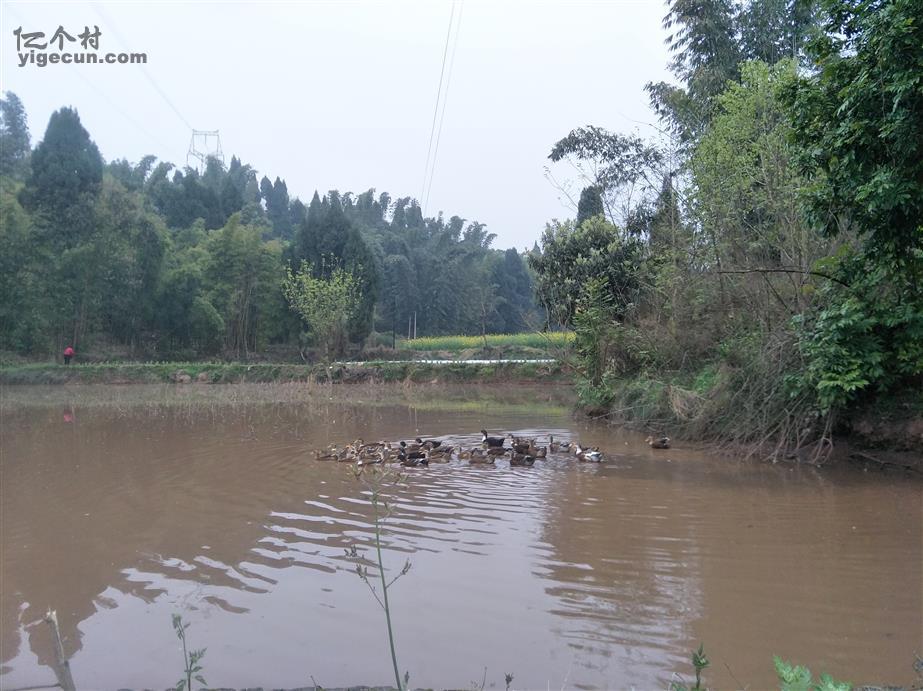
{"x": 204, "y": 145}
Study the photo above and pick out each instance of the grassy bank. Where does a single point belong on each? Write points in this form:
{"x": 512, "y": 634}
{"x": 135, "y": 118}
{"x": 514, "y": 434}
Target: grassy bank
{"x": 715, "y": 405}
{"x": 521, "y": 346}
{"x": 224, "y": 372}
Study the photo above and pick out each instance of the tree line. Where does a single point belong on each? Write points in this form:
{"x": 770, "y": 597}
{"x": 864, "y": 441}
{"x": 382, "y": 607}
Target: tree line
{"x": 162, "y": 262}
{"x": 753, "y": 273}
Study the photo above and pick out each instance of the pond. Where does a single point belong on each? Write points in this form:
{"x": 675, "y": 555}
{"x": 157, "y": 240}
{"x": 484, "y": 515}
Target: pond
{"x": 124, "y": 505}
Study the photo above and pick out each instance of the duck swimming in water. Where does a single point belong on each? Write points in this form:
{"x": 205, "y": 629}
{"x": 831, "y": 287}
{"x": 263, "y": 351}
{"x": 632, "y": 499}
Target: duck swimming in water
{"x": 478, "y": 457}
{"x": 589, "y": 455}
{"x": 429, "y": 443}
{"x": 412, "y": 459}
{"x": 521, "y": 459}
{"x": 410, "y": 453}
{"x": 331, "y": 453}
{"x": 522, "y": 445}
{"x": 491, "y": 441}
{"x": 537, "y": 451}
{"x": 371, "y": 459}
{"x": 659, "y": 442}
{"x": 440, "y": 455}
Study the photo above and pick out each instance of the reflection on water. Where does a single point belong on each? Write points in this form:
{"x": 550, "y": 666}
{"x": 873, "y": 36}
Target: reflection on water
{"x": 121, "y": 506}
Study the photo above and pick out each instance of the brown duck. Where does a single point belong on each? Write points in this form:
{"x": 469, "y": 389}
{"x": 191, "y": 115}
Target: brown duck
{"x": 659, "y": 442}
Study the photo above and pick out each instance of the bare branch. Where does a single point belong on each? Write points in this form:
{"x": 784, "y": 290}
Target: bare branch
{"x": 784, "y": 270}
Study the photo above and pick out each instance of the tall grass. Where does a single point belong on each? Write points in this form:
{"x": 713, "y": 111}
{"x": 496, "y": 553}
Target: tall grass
{"x": 556, "y": 339}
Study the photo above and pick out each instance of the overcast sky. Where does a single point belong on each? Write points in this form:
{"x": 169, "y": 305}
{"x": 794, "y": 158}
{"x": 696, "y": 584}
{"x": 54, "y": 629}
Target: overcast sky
{"x": 341, "y": 95}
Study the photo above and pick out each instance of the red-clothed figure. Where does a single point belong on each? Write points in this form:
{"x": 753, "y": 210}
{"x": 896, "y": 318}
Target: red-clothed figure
{"x": 68, "y": 354}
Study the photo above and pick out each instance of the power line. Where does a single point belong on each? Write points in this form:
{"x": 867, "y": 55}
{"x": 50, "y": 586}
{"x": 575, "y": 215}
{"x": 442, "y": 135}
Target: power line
{"x": 432, "y": 130}
{"x": 445, "y": 98}
{"x": 121, "y": 112}
{"x": 194, "y": 152}
{"x": 150, "y": 79}
{"x": 115, "y": 106}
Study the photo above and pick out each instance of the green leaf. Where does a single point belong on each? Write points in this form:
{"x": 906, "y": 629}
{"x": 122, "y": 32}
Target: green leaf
{"x": 792, "y": 678}
{"x": 828, "y": 683}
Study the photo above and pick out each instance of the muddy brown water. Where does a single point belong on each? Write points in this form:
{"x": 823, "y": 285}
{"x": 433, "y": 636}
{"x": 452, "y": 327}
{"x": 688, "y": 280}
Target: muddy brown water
{"x": 124, "y": 505}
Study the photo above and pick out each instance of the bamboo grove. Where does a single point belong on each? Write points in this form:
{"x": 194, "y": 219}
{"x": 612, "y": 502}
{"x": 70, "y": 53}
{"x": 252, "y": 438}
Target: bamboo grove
{"x": 151, "y": 261}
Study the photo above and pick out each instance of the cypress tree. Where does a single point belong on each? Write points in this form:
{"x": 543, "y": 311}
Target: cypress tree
{"x": 66, "y": 167}
{"x": 590, "y": 204}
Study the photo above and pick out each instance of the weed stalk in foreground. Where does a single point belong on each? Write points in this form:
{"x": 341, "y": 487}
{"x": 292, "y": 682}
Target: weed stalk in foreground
{"x": 193, "y": 670}
{"x": 376, "y": 478}
{"x": 699, "y": 661}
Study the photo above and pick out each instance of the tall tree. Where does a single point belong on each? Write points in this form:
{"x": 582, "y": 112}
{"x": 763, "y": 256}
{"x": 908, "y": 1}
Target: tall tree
{"x": 771, "y": 30}
{"x": 266, "y": 189}
{"x": 398, "y": 293}
{"x": 704, "y": 46}
{"x": 125, "y": 256}
{"x": 623, "y": 169}
{"x": 859, "y": 119}
{"x": 328, "y": 240}
{"x": 590, "y": 204}
{"x": 62, "y": 192}
{"x": 66, "y": 168}
{"x": 514, "y": 309}
{"x": 132, "y": 177}
{"x": 14, "y": 137}
{"x": 573, "y": 256}
{"x": 324, "y": 304}
{"x": 277, "y": 209}
{"x": 705, "y": 57}
{"x": 243, "y": 275}
{"x": 709, "y": 39}
{"x": 27, "y": 308}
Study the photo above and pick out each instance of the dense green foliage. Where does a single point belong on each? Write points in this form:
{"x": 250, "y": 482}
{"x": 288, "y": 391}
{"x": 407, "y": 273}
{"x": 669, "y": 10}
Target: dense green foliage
{"x": 14, "y": 137}
{"x": 325, "y": 304}
{"x": 709, "y": 40}
{"x": 799, "y": 678}
{"x": 859, "y": 120}
{"x": 146, "y": 260}
{"x": 769, "y": 257}
{"x": 573, "y": 257}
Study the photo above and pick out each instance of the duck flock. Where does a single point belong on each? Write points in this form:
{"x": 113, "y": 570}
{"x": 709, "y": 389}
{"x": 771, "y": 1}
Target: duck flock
{"x": 420, "y": 453}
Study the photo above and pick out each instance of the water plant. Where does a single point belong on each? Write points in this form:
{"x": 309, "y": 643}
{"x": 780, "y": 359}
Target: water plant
{"x": 799, "y": 678}
{"x": 377, "y": 479}
{"x": 191, "y": 658}
{"x": 699, "y": 661}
